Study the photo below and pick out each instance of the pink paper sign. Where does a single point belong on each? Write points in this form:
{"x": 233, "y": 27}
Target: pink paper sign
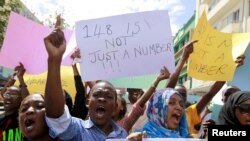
{"x": 23, "y": 43}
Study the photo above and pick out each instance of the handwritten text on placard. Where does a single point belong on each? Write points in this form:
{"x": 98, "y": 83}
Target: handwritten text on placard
{"x": 212, "y": 57}
{"x": 126, "y": 45}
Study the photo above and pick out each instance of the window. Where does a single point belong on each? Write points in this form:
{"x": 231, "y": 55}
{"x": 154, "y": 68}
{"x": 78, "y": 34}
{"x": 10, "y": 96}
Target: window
{"x": 180, "y": 80}
{"x": 232, "y": 18}
{"x": 212, "y": 4}
{"x": 236, "y": 16}
{"x": 187, "y": 39}
{"x": 175, "y": 49}
{"x": 182, "y": 44}
{"x": 185, "y": 77}
{"x": 249, "y": 8}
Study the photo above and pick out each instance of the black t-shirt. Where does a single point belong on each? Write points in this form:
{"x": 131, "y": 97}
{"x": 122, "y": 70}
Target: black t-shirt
{"x": 9, "y": 130}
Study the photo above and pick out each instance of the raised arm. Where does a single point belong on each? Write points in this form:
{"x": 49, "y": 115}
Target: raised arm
{"x": 205, "y": 99}
{"x": 164, "y": 74}
{"x": 55, "y": 45}
{"x": 138, "y": 108}
{"x": 188, "y": 49}
{"x": 20, "y": 70}
{"x": 79, "y": 109}
{"x": 75, "y": 54}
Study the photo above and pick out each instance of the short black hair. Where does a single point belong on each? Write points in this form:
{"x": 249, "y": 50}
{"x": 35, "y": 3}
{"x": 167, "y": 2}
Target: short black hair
{"x": 135, "y": 89}
{"x": 107, "y": 83}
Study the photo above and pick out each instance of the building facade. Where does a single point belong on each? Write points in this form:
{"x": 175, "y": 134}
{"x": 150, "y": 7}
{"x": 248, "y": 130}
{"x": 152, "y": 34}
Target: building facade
{"x": 181, "y": 38}
{"x": 230, "y": 16}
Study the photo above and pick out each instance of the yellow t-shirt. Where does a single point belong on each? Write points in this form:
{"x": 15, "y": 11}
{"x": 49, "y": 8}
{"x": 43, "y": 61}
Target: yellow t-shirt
{"x": 192, "y": 118}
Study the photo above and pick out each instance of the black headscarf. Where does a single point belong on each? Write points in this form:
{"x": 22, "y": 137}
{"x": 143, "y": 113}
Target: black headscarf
{"x": 227, "y": 114}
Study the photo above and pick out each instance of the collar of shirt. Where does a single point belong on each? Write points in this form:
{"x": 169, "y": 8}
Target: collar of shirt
{"x": 116, "y": 129}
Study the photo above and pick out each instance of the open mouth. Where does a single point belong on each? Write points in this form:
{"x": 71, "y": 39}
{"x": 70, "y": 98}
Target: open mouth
{"x": 7, "y": 103}
{"x": 176, "y": 117}
{"x": 248, "y": 123}
{"x": 100, "y": 111}
{"x": 29, "y": 124}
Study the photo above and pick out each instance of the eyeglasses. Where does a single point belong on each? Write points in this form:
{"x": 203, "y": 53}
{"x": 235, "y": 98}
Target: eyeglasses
{"x": 244, "y": 108}
{"x": 8, "y": 95}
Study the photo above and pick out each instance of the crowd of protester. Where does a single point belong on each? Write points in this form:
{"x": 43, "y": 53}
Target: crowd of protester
{"x": 102, "y": 113}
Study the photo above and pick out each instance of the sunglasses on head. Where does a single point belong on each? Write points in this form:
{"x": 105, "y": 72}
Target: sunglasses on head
{"x": 244, "y": 108}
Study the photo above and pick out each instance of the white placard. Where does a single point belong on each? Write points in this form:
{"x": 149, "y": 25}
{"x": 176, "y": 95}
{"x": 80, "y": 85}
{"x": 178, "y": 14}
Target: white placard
{"x": 125, "y": 45}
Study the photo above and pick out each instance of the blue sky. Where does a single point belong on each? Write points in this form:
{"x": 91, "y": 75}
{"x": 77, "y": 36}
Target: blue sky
{"x": 73, "y": 10}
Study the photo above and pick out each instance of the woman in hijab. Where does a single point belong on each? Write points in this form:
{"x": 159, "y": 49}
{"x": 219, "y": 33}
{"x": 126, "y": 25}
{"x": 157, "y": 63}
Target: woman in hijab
{"x": 166, "y": 115}
{"x": 236, "y": 111}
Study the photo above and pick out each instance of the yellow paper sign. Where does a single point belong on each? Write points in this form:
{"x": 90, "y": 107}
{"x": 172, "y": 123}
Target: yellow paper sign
{"x": 36, "y": 83}
{"x": 240, "y": 42}
{"x": 212, "y": 57}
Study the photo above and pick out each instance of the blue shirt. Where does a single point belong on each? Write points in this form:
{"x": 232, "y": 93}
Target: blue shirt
{"x": 70, "y": 128}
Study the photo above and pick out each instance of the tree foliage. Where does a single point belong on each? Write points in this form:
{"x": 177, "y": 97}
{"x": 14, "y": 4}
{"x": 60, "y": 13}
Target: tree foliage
{"x": 5, "y": 9}
{"x": 51, "y": 20}
{"x": 17, "y": 6}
